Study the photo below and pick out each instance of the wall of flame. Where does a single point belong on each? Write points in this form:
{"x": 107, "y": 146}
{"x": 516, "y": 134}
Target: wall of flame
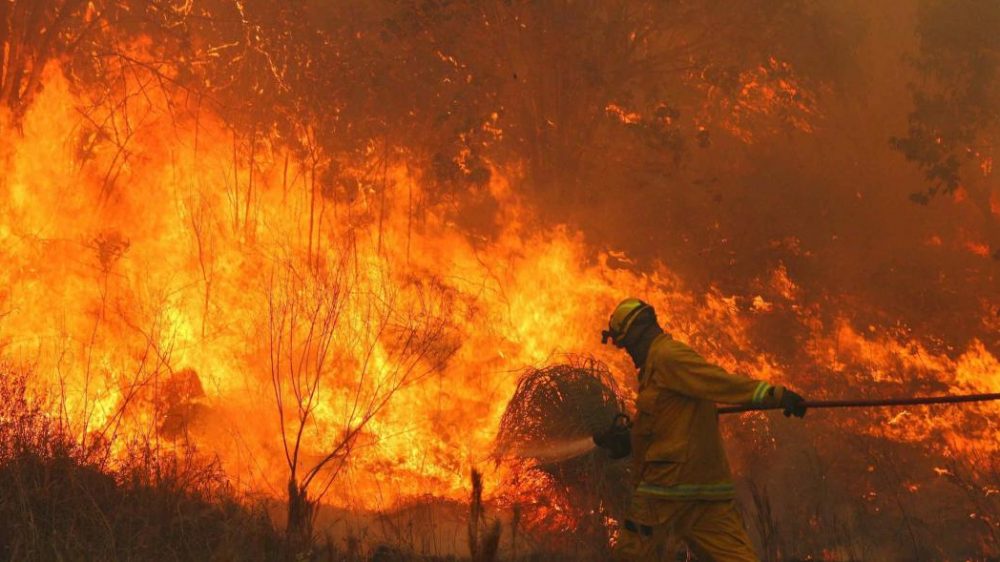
{"x": 131, "y": 263}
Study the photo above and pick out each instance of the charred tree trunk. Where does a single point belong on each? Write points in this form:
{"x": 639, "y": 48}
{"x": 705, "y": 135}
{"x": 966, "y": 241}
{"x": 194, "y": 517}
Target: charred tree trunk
{"x": 981, "y": 195}
{"x": 30, "y": 36}
{"x": 993, "y": 235}
{"x": 299, "y": 529}
{"x": 483, "y": 544}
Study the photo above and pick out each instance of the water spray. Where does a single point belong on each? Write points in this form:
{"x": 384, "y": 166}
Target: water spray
{"x": 555, "y": 451}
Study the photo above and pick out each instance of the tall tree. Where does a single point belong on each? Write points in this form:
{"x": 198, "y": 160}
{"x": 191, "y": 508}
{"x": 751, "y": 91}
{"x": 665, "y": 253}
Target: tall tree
{"x": 33, "y": 32}
{"x": 954, "y": 128}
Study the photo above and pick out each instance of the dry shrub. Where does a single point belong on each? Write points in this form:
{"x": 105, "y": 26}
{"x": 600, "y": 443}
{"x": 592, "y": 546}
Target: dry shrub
{"x": 63, "y": 501}
{"x": 565, "y": 505}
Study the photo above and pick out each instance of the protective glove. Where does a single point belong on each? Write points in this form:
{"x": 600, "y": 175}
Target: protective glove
{"x": 617, "y": 439}
{"x": 793, "y": 404}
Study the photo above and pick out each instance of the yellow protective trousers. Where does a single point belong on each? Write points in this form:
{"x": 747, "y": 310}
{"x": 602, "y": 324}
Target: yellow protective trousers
{"x": 713, "y": 530}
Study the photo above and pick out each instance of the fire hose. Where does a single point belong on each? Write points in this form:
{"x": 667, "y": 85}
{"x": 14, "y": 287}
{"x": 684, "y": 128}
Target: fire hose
{"x": 618, "y": 443}
{"x": 873, "y": 403}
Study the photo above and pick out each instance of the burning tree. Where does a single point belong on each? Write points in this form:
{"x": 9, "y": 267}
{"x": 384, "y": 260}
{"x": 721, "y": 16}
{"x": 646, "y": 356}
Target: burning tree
{"x": 32, "y": 33}
{"x": 340, "y": 340}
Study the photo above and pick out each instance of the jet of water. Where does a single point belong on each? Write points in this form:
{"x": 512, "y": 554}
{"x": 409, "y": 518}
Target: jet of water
{"x": 555, "y": 451}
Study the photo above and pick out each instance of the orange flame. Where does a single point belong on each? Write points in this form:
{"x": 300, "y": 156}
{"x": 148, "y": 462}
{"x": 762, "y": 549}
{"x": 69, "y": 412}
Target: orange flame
{"x": 144, "y": 273}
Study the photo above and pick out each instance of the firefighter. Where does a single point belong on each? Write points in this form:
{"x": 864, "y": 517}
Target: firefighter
{"x": 683, "y": 486}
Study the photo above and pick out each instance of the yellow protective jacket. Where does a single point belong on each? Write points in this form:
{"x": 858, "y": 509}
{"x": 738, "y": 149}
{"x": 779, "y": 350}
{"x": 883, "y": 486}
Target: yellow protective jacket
{"x": 676, "y": 445}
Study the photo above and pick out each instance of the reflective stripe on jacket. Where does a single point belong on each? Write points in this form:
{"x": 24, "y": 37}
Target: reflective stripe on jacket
{"x": 676, "y": 445}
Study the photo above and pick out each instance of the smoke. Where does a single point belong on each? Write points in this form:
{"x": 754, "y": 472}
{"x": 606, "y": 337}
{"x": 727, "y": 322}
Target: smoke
{"x": 728, "y": 162}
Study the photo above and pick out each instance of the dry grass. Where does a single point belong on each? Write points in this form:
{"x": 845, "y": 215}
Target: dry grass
{"x": 62, "y": 501}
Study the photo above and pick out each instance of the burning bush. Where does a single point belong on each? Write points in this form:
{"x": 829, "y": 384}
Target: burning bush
{"x": 563, "y": 482}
